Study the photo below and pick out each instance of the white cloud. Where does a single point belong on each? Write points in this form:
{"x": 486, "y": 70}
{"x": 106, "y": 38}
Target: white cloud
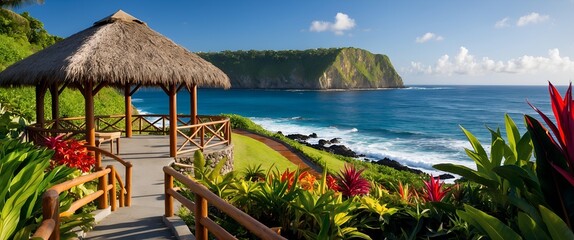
{"x": 342, "y": 23}
{"x": 463, "y": 63}
{"x": 502, "y": 23}
{"x": 531, "y": 18}
{"x": 428, "y": 37}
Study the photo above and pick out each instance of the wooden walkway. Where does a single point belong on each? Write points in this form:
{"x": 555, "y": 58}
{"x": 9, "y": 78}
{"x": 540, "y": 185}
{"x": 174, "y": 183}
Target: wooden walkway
{"x": 143, "y": 219}
{"x": 149, "y": 154}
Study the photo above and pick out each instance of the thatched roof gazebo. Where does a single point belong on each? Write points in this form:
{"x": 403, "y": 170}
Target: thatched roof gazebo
{"x": 119, "y": 51}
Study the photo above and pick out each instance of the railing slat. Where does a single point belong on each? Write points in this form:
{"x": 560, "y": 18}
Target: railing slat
{"x": 217, "y": 230}
{"x": 182, "y": 199}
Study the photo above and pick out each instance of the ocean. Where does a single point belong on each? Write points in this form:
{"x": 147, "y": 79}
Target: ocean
{"x": 418, "y": 126}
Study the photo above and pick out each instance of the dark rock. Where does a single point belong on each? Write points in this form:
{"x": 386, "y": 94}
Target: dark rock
{"x": 322, "y": 142}
{"x": 445, "y": 176}
{"x": 335, "y": 140}
{"x": 298, "y": 137}
{"x": 279, "y": 132}
{"x": 313, "y": 135}
{"x": 343, "y": 150}
{"x": 320, "y": 147}
{"x": 396, "y": 165}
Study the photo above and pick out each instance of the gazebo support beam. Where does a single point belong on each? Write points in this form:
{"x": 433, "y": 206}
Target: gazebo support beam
{"x": 40, "y": 95}
{"x": 89, "y": 107}
{"x": 193, "y": 103}
{"x": 172, "y": 120}
{"x": 55, "y": 104}
{"x": 128, "y": 109}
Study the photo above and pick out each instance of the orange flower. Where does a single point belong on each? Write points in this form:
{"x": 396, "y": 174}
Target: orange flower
{"x": 307, "y": 181}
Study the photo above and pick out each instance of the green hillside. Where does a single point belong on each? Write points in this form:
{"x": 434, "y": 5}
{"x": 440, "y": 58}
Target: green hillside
{"x": 333, "y": 68}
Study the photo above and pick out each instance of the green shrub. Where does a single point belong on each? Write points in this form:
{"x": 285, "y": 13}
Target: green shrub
{"x": 25, "y": 174}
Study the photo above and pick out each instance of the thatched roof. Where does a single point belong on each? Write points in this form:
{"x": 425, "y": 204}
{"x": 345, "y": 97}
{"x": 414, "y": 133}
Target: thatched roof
{"x": 118, "y": 50}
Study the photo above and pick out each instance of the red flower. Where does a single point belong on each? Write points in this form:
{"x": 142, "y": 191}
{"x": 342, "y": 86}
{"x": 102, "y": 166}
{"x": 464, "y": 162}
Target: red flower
{"x": 288, "y": 176}
{"x": 564, "y": 133}
{"x": 434, "y": 191}
{"x": 332, "y": 183}
{"x": 351, "y": 183}
{"x": 70, "y": 153}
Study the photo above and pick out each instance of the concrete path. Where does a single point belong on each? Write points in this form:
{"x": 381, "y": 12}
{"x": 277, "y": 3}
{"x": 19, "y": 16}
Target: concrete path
{"x": 143, "y": 219}
{"x": 300, "y": 161}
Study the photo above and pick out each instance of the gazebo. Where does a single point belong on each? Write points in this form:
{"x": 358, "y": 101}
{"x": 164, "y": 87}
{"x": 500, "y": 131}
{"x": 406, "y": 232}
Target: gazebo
{"x": 118, "y": 51}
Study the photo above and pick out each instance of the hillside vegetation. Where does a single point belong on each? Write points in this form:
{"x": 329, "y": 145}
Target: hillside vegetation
{"x": 333, "y": 68}
{"x": 22, "y": 35}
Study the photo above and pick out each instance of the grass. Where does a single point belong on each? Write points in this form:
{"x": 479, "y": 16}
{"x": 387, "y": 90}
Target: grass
{"x": 248, "y": 151}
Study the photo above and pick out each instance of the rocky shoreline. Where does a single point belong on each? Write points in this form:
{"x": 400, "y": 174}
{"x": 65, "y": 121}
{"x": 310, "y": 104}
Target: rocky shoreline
{"x": 334, "y": 146}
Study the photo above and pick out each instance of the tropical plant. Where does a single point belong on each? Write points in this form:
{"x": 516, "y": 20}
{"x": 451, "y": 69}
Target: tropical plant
{"x": 555, "y": 154}
{"x": 404, "y": 192}
{"x": 11, "y": 125}
{"x": 507, "y": 175}
{"x": 350, "y": 183}
{"x": 326, "y": 216}
{"x": 25, "y": 174}
{"x": 434, "y": 190}
{"x": 254, "y": 173}
{"x": 212, "y": 177}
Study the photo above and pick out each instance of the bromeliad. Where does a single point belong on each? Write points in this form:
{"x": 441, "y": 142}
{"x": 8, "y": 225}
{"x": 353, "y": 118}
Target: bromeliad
{"x": 433, "y": 191}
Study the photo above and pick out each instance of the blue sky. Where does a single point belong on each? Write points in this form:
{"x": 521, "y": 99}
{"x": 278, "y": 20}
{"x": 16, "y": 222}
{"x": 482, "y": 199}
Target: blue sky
{"x": 429, "y": 42}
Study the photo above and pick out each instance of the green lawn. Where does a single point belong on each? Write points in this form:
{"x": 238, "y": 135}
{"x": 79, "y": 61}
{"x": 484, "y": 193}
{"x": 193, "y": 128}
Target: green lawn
{"x": 248, "y": 151}
{"x": 333, "y": 164}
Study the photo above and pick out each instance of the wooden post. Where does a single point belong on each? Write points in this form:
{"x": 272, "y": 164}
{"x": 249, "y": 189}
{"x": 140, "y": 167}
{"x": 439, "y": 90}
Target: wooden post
{"x": 50, "y": 210}
{"x": 90, "y": 125}
{"x": 129, "y": 186}
{"x": 172, "y": 120}
{"x": 168, "y": 184}
{"x": 200, "y": 212}
{"x": 128, "y": 105}
{"x": 102, "y": 185}
{"x": 40, "y": 94}
{"x": 193, "y": 103}
{"x": 55, "y": 105}
{"x": 113, "y": 195}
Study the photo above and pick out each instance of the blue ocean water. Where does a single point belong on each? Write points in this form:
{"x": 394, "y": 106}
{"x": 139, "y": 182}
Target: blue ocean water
{"x": 417, "y": 126}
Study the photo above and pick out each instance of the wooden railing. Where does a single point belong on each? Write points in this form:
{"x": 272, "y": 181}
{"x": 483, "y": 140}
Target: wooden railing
{"x": 213, "y": 132}
{"x": 107, "y": 192}
{"x": 125, "y": 187}
{"x": 203, "y": 197}
{"x": 209, "y": 132}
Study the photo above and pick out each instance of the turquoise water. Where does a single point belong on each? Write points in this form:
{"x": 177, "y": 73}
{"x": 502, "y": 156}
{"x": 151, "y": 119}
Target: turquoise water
{"x": 418, "y": 126}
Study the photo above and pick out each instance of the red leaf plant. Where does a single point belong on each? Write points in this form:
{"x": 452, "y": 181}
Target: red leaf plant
{"x": 350, "y": 182}
{"x": 71, "y": 153}
{"x": 434, "y": 191}
{"x": 564, "y": 132}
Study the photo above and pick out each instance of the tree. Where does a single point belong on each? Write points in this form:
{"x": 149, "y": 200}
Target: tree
{"x": 18, "y": 3}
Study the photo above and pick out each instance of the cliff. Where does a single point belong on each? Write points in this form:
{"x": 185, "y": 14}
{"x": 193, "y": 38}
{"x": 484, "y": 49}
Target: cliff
{"x": 334, "y": 68}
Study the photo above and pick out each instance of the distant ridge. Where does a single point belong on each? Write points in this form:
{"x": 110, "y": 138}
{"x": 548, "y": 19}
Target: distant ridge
{"x": 333, "y": 68}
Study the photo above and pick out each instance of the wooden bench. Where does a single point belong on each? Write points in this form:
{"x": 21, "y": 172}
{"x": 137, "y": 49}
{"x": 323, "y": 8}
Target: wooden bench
{"x": 103, "y": 137}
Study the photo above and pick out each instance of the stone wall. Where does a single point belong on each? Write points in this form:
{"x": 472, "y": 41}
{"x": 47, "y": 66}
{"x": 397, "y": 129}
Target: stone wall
{"x": 212, "y": 157}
